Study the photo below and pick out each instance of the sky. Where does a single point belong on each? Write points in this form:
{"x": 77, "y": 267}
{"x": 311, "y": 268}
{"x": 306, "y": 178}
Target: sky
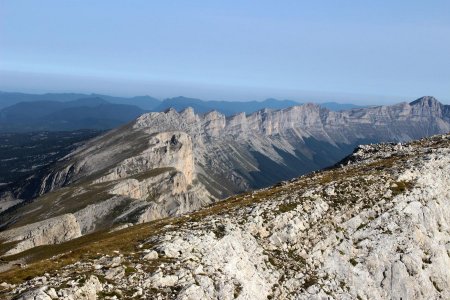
{"x": 365, "y": 52}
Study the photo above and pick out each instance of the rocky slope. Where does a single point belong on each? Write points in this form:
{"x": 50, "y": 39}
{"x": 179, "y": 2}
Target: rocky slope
{"x": 169, "y": 163}
{"x": 122, "y": 179}
{"x": 377, "y": 226}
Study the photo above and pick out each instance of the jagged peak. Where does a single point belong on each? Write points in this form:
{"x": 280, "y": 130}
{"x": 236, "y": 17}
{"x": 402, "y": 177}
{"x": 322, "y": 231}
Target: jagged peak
{"x": 426, "y": 100}
{"x": 188, "y": 109}
{"x": 238, "y": 115}
{"x": 213, "y": 113}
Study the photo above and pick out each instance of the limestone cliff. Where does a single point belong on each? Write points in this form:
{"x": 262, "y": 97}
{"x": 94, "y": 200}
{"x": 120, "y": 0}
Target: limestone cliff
{"x": 115, "y": 180}
{"x": 51, "y": 231}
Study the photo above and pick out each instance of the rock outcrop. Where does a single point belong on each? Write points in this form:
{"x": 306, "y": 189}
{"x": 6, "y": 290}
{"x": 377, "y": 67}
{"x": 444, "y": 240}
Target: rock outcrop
{"x": 111, "y": 182}
{"x": 51, "y": 231}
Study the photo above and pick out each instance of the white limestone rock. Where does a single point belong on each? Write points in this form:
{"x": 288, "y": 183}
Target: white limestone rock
{"x": 51, "y": 231}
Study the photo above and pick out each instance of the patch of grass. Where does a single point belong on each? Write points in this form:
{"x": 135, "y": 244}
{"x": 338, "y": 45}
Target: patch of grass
{"x": 387, "y": 231}
{"x": 219, "y": 231}
{"x": 61, "y": 201}
{"x": 436, "y": 285}
{"x": 361, "y": 226}
{"x": 6, "y": 246}
{"x": 285, "y": 207}
{"x": 237, "y": 290}
{"x": 47, "y": 258}
{"x": 310, "y": 281}
{"x": 104, "y": 295}
{"x": 426, "y": 260}
{"x": 400, "y": 187}
{"x": 152, "y": 173}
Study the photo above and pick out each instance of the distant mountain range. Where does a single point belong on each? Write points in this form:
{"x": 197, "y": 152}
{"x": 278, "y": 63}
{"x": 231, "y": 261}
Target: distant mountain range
{"x": 85, "y": 113}
{"x": 143, "y": 102}
{"x": 71, "y": 111}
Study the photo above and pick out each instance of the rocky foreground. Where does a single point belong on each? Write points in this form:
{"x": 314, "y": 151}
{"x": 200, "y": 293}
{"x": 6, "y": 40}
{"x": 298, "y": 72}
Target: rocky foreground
{"x": 375, "y": 227}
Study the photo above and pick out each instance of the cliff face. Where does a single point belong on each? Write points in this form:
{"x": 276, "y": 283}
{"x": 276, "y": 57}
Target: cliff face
{"x": 169, "y": 163}
{"x": 234, "y": 154}
{"x": 51, "y": 231}
{"x": 249, "y": 151}
{"x": 309, "y": 119}
{"x": 120, "y": 178}
{"x": 375, "y": 227}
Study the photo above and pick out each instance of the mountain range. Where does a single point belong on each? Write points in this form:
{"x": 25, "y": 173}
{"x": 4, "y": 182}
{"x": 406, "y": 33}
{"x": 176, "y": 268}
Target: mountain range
{"x": 63, "y": 112}
{"x": 170, "y": 163}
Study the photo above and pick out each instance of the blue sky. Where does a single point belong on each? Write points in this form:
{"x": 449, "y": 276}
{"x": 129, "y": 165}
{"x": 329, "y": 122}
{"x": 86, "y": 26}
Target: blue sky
{"x": 347, "y": 51}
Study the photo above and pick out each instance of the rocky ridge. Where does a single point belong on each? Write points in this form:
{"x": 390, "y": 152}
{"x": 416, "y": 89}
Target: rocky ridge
{"x": 377, "y": 226}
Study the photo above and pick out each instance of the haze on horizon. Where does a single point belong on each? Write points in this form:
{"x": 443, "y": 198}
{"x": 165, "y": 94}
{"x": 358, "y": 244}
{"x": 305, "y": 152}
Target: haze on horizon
{"x": 345, "y": 51}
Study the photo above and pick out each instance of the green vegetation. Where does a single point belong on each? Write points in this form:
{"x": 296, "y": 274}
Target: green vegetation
{"x": 436, "y": 285}
{"x": 24, "y": 154}
{"x": 310, "y": 281}
{"x": 353, "y": 261}
{"x": 152, "y": 173}
{"x": 237, "y": 289}
{"x": 285, "y": 207}
{"x": 219, "y": 231}
{"x": 361, "y": 226}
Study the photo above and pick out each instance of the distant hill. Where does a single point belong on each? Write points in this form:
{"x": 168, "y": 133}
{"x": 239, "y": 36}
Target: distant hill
{"x": 8, "y": 99}
{"x": 334, "y": 106}
{"x": 144, "y": 102}
{"x": 85, "y": 113}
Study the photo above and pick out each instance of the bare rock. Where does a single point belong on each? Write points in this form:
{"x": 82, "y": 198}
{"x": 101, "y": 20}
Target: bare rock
{"x": 52, "y": 231}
